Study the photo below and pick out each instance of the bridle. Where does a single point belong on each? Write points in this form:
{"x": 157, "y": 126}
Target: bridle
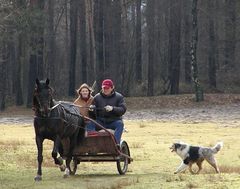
{"x": 43, "y": 111}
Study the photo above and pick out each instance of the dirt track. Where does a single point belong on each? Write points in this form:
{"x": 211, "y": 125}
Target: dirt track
{"x": 224, "y": 115}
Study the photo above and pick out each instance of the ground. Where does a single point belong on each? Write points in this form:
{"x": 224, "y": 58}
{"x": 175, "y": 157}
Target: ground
{"x": 222, "y": 109}
{"x": 152, "y": 124}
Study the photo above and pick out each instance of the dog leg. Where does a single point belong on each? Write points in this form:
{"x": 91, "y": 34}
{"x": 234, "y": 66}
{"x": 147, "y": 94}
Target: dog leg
{"x": 213, "y": 163}
{"x": 181, "y": 168}
{"x": 199, "y": 164}
{"x": 190, "y": 168}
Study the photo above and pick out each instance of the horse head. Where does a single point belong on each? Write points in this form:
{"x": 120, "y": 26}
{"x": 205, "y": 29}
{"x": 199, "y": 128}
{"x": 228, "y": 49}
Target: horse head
{"x": 42, "y": 98}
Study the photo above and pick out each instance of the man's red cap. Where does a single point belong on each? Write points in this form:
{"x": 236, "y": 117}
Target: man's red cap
{"x": 107, "y": 83}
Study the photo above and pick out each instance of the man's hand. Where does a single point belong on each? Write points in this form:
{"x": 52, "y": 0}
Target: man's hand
{"x": 108, "y": 108}
{"x": 92, "y": 108}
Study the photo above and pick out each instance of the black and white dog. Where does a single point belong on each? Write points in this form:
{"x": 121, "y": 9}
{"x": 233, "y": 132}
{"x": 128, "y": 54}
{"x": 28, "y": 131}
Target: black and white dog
{"x": 195, "y": 154}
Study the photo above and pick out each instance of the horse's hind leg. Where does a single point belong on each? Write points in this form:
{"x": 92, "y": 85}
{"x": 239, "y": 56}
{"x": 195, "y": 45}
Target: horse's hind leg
{"x": 39, "y": 142}
{"x": 66, "y": 147}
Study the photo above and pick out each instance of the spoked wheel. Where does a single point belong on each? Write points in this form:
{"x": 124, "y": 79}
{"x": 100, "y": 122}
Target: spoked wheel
{"x": 122, "y": 163}
{"x": 73, "y": 166}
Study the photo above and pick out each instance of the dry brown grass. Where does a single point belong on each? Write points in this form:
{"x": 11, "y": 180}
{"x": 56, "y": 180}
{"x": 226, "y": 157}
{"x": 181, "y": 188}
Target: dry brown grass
{"x": 13, "y": 142}
{"x": 192, "y": 185}
{"x": 137, "y": 145}
{"x": 153, "y": 164}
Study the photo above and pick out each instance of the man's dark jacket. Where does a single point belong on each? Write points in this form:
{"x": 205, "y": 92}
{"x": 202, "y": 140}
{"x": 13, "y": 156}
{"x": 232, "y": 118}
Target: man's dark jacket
{"x": 116, "y": 100}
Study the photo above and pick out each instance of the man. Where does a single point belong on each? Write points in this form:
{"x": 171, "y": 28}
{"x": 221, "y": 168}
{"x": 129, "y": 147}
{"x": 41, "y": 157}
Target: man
{"x": 108, "y": 110}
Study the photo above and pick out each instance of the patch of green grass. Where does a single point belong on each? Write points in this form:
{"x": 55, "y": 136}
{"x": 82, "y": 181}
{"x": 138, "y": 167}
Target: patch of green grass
{"x": 153, "y": 164}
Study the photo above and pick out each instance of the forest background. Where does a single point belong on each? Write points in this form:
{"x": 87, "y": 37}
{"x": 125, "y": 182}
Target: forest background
{"x": 145, "y": 46}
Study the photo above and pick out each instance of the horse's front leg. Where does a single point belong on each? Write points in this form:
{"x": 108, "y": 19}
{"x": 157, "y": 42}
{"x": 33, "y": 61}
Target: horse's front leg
{"x": 59, "y": 160}
{"x": 66, "y": 155}
{"x": 67, "y": 170}
{"x": 39, "y": 142}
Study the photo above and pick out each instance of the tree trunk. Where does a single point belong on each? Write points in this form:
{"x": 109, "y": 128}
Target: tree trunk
{"x": 187, "y": 46}
{"x": 51, "y": 43}
{"x": 92, "y": 41}
{"x": 20, "y": 38}
{"x": 73, "y": 46}
{"x": 174, "y": 45}
{"x": 124, "y": 47}
{"x": 3, "y": 74}
{"x": 198, "y": 89}
{"x": 150, "y": 15}
{"x": 36, "y": 47}
{"x": 18, "y": 94}
{"x": 83, "y": 44}
{"x": 212, "y": 49}
{"x": 98, "y": 20}
{"x": 32, "y": 73}
{"x": 108, "y": 37}
{"x": 118, "y": 61}
{"x": 138, "y": 69}
{"x": 230, "y": 32}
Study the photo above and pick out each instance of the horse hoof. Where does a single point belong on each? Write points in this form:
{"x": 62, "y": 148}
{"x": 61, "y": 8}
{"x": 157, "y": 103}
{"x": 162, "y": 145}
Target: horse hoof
{"x": 72, "y": 173}
{"x": 65, "y": 176}
{"x": 62, "y": 167}
{"x": 38, "y": 178}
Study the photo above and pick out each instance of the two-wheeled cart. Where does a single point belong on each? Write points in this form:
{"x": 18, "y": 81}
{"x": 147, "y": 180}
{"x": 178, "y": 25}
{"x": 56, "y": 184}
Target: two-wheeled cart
{"x": 101, "y": 146}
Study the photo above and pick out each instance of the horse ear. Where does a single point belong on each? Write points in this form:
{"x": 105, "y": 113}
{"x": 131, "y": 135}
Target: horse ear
{"x": 47, "y": 81}
{"x": 37, "y": 81}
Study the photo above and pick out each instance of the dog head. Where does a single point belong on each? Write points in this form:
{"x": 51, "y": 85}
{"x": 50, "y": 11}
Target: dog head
{"x": 180, "y": 146}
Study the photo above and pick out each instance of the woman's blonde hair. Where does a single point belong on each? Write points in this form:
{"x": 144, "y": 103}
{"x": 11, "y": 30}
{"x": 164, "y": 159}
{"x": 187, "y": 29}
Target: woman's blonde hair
{"x": 84, "y": 85}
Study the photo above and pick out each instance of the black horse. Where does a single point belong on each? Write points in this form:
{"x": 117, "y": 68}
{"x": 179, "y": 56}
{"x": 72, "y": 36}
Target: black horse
{"x": 59, "y": 122}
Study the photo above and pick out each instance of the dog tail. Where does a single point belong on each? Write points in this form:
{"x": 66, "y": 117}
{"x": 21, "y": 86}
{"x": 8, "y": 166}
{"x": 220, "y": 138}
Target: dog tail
{"x": 217, "y": 147}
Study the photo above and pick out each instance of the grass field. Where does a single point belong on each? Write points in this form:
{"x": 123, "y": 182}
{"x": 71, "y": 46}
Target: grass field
{"x": 153, "y": 164}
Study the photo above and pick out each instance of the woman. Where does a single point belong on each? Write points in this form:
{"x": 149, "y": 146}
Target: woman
{"x": 84, "y": 99}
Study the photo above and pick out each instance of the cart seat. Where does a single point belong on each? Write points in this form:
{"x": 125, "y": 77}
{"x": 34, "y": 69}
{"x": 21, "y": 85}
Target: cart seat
{"x": 99, "y": 133}
{"x": 110, "y": 130}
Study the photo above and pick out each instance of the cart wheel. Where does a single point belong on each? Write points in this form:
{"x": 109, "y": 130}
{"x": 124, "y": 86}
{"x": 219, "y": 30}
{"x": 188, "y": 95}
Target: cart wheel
{"x": 73, "y": 166}
{"x": 122, "y": 163}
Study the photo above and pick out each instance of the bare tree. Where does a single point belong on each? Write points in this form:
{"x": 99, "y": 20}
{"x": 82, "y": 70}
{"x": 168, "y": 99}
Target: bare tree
{"x": 187, "y": 41}
{"x": 98, "y": 21}
{"x": 150, "y": 14}
{"x": 51, "y": 43}
{"x": 198, "y": 89}
{"x": 91, "y": 38}
{"x": 19, "y": 92}
{"x": 124, "y": 53}
{"x": 83, "y": 44}
{"x": 212, "y": 49}
{"x": 4, "y": 56}
{"x": 138, "y": 42}
{"x": 73, "y": 46}
{"x": 230, "y": 32}
{"x": 117, "y": 64}
{"x": 36, "y": 46}
{"x": 174, "y": 45}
